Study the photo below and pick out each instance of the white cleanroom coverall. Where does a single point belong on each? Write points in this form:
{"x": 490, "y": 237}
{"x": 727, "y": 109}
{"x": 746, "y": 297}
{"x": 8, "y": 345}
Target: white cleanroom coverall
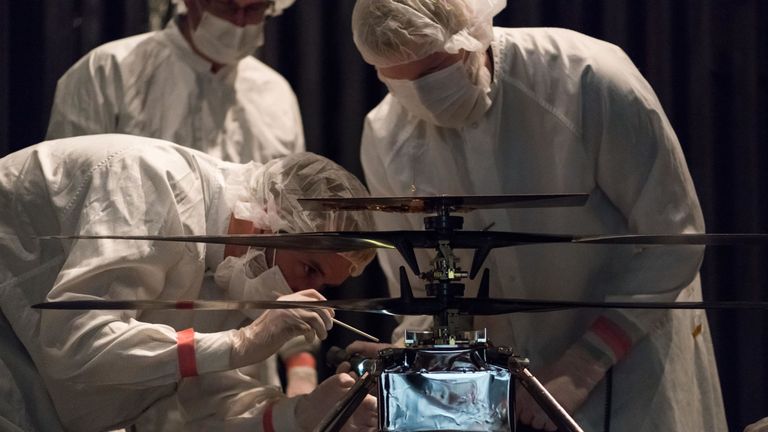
{"x": 571, "y": 114}
{"x": 104, "y": 369}
{"x": 155, "y": 85}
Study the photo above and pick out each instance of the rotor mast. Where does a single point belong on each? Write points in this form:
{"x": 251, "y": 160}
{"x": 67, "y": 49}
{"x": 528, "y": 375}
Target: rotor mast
{"x": 449, "y": 327}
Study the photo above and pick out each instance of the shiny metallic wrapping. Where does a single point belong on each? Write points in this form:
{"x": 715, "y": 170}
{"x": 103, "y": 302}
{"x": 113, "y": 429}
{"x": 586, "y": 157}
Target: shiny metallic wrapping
{"x": 443, "y": 390}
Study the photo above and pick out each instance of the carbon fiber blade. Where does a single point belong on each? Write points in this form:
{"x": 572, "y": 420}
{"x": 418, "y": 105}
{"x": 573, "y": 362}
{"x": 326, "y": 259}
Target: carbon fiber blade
{"x": 332, "y": 242}
{"x": 171, "y": 305}
{"x": 397, "y": 306}
{"x": 454, "y": 203}
{"x": 678, "y": 239}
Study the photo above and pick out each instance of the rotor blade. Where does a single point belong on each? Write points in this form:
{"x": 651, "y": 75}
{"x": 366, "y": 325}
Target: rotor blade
{"x": 677, "y": 239}
{"x": 390, "y": 306}
{"x": 397, "y": 306}
{"x": 340, "y": 241}
{"x": 332, "y": 242}
{"x": 484, "y": 240}
{"x": 475, "y": 306}
{"x": 433, "y": 204}
{"x": 172, "y": 305}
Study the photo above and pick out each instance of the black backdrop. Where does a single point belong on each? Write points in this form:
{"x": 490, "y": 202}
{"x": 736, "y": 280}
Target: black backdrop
{"x": 707, "y": 60}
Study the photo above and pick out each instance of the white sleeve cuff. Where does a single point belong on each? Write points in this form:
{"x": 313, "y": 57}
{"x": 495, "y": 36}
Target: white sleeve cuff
{"x": 212, "y": 351}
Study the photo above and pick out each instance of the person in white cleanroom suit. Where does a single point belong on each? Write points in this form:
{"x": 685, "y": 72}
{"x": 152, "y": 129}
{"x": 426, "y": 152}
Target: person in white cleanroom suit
{"x": 100, "y": 370}
{"x": 194, "y": 83}
{"x": 474, "y": 109}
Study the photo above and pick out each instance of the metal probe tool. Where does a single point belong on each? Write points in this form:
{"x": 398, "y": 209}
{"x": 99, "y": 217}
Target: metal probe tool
{"x": 354, "y": 330}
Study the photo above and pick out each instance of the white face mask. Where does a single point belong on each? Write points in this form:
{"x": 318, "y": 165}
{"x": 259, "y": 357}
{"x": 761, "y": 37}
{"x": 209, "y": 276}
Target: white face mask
{"x": 451, "y": 97}
{"x": 247, "y": 278}
{"x": 224, "y": 42}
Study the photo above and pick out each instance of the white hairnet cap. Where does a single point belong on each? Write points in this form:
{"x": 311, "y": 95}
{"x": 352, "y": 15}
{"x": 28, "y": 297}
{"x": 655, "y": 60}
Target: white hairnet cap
{"x": 280, "y": 6}
{"x": 393, "y": 32}
{"x": 268, "y": 196}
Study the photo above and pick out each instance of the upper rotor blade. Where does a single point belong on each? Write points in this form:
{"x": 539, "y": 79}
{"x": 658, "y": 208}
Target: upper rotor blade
{"x": 677, "y": 239}
{"x": 499, "y": 239}
{"x": 453, "y": 203}
{"x": 351, "y": 240}
{"x": 341, "y": 241}
{"x": 332, "y": 242}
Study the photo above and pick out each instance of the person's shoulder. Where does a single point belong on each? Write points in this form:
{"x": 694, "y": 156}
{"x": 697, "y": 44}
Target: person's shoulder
{"x": 117, "y": 50}
{"x": 387, "y": 114}
{"x": 566, "y": 56}
{"x": 107, "y": 150}
{"x": 254, "y": 71}
{"x": 389, "y": 123}
{"x": 108, "y": 58}
{"x": 553, "y": 41}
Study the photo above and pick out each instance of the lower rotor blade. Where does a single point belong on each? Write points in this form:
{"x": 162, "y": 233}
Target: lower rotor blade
{"x": 397, "y": 306}
{"x": 172, "y": 305}
{"x": 505, "y": 306}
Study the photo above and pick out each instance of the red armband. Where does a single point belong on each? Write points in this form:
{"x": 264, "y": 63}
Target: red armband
{"x": 266, "y": 421}
{"x": 185, "y": 346}
{"x": 301, "y": 359}
{"x": 613, "y": 336}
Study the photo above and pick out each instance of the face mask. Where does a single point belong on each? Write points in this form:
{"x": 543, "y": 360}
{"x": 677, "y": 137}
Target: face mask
{"x": 451, "y": 97}
{"x": 224, "y": 42}
{"x": 247, "y": 278}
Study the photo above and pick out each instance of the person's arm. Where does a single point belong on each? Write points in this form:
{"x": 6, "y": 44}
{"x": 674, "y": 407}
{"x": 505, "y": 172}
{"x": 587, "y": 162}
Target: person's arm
{"x": 641, "y": 169}
{"x": 87, "y": 98}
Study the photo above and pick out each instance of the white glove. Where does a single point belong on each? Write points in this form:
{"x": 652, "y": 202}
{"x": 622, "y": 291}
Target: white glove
{"x": 760, "y": 426}
{"x": 312, "y": 408}
{"x": 263, "y": 337}
{"x": 569, "y": 380}
{"x": 365, "y": 349}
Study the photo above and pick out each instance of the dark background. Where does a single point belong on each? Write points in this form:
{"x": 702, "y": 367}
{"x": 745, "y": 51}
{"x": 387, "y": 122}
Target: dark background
{"x": 707, "y": 60}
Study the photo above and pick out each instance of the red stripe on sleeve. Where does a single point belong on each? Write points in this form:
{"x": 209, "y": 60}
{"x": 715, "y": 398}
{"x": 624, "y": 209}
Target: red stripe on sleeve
{"x": 185, "y": 341}
{"x": 301, "y": 359}
{"x": 266, "y": 422}
{"x": 613, "y": 335}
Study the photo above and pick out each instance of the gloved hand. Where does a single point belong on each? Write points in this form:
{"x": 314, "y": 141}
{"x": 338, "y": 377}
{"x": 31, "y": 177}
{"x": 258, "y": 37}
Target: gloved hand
{"x": 570, "y": 380}
{"x": 263, "y": 337}
{"x": 312, "y": 408}
{"x": 760, "y": 426}
{"x": 366, "y": 349}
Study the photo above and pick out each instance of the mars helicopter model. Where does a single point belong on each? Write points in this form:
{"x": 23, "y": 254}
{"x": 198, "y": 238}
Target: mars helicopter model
{"x": 452, "y": 366}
